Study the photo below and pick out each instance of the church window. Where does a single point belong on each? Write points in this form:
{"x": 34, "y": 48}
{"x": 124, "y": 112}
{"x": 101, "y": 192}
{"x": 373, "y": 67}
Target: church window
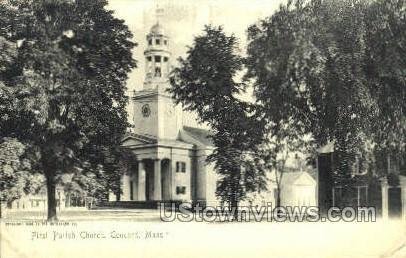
{"x": 165, "y": 42}
{"x": 181, "y": 167}
{"x": 181, "y": 190}
{"x": 157, "y": 59}
{"x": 165, "y": 59}
{"x": 149, "y": 59}
{"x": 158, "y": 42}
{"x": 150, "y": 42}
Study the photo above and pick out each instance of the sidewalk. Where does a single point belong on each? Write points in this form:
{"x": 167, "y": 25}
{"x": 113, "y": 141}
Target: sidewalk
{"x": 89, "y": 215}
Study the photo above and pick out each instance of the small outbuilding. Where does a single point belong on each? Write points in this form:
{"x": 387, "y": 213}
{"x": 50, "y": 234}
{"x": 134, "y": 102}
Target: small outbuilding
{"x": 297, "y": 189}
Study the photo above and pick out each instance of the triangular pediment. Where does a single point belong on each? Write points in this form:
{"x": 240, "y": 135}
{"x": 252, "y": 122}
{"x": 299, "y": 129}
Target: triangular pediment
{"x": 137, "y": 139}
{"x": 304, "y": 179}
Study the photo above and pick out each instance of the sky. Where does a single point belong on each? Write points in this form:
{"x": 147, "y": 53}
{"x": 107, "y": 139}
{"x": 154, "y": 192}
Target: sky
{"x": 184, "y": 19}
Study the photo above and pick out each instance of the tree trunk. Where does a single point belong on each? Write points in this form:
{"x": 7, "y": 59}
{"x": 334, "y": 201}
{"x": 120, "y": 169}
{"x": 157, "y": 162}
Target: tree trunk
{"x": 50, "y": 177}
{"x": 118, "y": 196}
{"x": 278, "y": 198}
{"x": 68, "y": 196}
{"x": 234, "y": 207}
{"x": 278, "y": 202}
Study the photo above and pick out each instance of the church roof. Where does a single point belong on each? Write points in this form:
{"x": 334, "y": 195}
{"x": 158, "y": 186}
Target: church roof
{"x": 201, "y": 135}
{"x": 145, "y": 139}
{"x": 296, "y": 178}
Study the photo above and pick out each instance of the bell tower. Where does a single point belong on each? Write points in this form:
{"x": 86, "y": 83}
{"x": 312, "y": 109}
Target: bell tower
{"x": 157, "y": 57}
{"x": 155, "y": 113}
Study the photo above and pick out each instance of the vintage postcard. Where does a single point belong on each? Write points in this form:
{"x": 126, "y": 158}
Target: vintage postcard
{"x": 163, "y": 128}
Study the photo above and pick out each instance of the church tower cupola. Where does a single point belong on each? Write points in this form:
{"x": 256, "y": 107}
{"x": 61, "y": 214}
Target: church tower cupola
{"x": 157, "y": 57}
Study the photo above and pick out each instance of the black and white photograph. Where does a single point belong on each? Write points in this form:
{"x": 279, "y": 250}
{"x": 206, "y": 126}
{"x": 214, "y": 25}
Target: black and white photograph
{"x": 206, "y": 128}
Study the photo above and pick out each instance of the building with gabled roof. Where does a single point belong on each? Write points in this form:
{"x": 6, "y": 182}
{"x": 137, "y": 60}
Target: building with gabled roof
{"x": 170, "y": 153}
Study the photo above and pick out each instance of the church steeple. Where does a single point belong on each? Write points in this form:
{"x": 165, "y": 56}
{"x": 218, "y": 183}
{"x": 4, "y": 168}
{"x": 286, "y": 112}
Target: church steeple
{"x": 157, "y": 56}
{"x": 155, "y": 113}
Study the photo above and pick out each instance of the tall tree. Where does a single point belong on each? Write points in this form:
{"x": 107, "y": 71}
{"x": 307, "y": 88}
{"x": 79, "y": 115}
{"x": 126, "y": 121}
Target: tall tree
{"x": 386, "y": 66}
{"x": 205, "y": 83}
{"x": 66, "y": 85}
{"x": 316, "y": 63}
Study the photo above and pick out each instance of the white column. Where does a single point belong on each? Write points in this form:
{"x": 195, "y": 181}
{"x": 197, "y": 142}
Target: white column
{"x": 402, "y": 180}
{"x": 157, "y": 180}
{"x": 201, "y": 180}
{"x": 141, "y": 181}
{"x": 125, "y": 183}
{"x": 135, "y": 184}
{"x": 385, "y": 196}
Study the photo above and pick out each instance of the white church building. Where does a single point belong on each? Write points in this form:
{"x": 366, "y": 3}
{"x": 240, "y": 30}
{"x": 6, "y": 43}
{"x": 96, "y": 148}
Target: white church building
{"x": 170, "y": 148}
{"x": 170, "y": 154}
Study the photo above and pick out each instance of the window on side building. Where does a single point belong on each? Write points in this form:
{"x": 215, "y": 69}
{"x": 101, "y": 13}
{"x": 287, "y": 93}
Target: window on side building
{"x": 180, "y": 167}
{"x": 181, "y": 190}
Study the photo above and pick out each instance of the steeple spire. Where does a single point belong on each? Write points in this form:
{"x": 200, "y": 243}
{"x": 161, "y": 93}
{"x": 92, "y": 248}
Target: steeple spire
{"x": 159, "y": 12}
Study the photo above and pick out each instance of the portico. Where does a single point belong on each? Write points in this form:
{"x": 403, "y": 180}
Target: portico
{"x": 156, "y": 173}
